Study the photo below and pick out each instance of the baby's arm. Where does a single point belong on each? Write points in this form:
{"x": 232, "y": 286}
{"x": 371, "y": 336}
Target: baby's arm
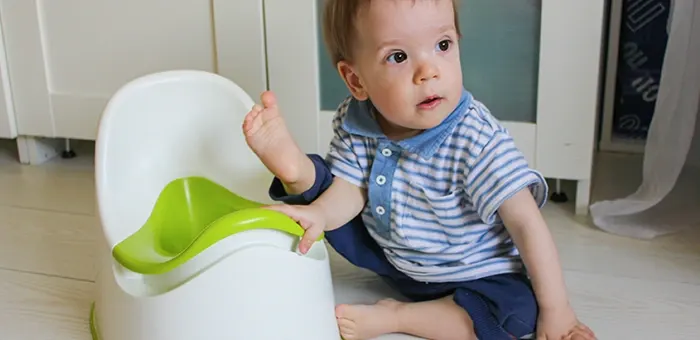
{"x": 504, "y": 188}
{"x": 346, "y": 196}
{"x": 306, "y": 175}
{"x": 344, "y": 199}
{"x": 529, "y": 231}
{"x": 531, "y": 235}
{"x": 340, "y": 203}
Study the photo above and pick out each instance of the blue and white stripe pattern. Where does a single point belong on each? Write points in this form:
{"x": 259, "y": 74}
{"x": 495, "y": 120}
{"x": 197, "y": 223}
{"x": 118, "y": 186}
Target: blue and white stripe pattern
{"x": 433, "y": 198}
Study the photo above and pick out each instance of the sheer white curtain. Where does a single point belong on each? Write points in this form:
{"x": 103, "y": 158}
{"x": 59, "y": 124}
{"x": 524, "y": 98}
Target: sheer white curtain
{"x": 669, "y": 197}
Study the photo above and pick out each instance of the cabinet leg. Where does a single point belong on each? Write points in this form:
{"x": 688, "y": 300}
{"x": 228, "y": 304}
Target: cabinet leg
{"x": 559, "y": 196}
{"x": 36, "y": 150}
{"x": 583, "y": 197}
{"x": 68, "y": 152}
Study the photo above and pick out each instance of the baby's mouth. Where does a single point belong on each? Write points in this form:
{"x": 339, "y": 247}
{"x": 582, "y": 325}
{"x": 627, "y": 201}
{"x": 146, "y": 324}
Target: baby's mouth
{"x": 430, "y": 100}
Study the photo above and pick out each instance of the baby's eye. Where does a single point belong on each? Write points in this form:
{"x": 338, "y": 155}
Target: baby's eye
{"x": 444, "y": 45}
{"x": 398, "y": 57}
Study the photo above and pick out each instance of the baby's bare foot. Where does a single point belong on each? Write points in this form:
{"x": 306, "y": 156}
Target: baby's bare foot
{"x": 267, "y": 135}
{"x": 360, "y": 322}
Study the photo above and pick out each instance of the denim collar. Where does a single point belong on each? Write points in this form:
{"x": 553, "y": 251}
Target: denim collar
{"x": 359, "y": 120}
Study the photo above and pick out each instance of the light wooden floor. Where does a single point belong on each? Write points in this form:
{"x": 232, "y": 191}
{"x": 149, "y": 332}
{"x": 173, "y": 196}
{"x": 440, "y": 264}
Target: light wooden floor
{"x": 623, "y": 288}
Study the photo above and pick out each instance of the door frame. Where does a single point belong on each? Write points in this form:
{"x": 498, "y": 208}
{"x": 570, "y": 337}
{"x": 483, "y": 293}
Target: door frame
{"x": 8, "y": 124}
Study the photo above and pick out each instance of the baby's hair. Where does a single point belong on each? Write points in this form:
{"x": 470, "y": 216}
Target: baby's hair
{"x": 339, "y": 30}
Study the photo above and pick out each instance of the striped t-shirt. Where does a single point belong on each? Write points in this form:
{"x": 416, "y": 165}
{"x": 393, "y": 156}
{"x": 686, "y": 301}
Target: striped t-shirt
{"x": 433, "y": 198}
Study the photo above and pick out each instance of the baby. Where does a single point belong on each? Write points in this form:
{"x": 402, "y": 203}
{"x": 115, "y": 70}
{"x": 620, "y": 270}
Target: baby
{"x": 422, "y": 185}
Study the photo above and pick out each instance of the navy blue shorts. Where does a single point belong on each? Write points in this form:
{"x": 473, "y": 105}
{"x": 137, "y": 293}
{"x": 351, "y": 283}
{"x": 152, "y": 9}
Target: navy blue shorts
{"x": 501, "y": 306}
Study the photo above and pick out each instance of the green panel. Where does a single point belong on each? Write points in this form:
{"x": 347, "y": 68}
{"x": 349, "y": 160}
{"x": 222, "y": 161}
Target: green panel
{"x": 333, "y": 89}
{"x": 499, "y": 52}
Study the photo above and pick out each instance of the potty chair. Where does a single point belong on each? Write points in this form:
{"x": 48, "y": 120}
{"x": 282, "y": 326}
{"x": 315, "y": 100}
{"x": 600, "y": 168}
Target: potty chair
{"x": 190, "y": 253}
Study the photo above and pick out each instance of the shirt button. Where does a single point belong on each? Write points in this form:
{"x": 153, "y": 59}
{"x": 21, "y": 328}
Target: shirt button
{"x": 381, "y": 180}
{"x": 386, "y": 152}
{"x": 380, "y": 210}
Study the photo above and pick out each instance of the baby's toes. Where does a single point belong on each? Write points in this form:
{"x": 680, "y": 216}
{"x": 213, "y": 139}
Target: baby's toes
{"x": 252, "y": 119}
{"x": 254, "y": 112}
{"x": 347, "y": 328}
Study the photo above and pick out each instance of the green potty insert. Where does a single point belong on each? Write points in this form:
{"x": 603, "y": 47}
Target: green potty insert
{"x": 190, "y": 215}
{"x": 93, "y": 323}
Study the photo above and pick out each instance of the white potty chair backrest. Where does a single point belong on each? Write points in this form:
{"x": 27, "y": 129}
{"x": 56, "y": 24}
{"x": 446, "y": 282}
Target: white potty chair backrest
{"x": 166, "y": 126}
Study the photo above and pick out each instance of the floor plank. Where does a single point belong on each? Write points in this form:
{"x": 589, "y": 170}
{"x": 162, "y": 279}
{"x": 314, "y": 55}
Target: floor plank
{"x": 675, "y": 258}
{"x": 34, "y": 306}
{"x": 623, "y": 288}
{"x": 625, "y": 308}
{"x": 48, "y": 242}
{"x": 51, "y": 187}
{"x": 63, "y": 185}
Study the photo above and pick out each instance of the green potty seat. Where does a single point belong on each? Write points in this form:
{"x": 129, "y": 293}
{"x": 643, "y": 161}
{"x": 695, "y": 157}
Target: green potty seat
{"x": 190, "y": 215}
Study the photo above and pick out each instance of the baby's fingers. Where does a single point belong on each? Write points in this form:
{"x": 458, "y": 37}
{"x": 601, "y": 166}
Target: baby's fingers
{"x": 581, "y": 332}
{"x": 312, "y": 231}
{"x": 291, "y": 211}
{"x": 310, "y": 236}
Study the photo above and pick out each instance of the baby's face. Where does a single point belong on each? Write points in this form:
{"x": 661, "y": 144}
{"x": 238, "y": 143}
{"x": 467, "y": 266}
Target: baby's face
{"x": 407, "y": 63}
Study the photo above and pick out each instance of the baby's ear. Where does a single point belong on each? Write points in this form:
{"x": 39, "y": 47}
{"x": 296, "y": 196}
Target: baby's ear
{"x": 352, "y": 80}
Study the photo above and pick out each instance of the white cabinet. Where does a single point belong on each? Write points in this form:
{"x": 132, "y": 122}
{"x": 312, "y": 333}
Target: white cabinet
{"x": 66, "y": 58}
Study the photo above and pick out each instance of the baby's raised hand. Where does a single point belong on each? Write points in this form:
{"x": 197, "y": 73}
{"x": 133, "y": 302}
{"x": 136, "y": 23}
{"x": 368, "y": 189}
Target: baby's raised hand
{"x": 309, "y": 217}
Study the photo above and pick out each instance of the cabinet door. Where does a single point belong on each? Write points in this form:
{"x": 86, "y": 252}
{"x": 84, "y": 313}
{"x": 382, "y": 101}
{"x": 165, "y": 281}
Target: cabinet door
{"x": 68, "y": 57}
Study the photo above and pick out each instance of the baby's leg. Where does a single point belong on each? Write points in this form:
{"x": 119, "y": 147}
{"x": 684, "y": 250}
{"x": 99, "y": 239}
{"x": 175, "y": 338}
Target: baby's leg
{"x": 440, "y": 319}
{"x": 267, "y": 135}
{"x": 501, "y": 306}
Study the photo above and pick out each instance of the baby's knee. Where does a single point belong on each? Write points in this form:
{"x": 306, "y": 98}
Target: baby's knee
{"x": 513, "y": 315}
{"x": 466, "y": 331}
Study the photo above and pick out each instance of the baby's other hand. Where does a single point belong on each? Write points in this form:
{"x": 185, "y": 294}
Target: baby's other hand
{"x": 581, "y": 332}
{"x": 561, "y": 323}
{"x": 310, "y": 217}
